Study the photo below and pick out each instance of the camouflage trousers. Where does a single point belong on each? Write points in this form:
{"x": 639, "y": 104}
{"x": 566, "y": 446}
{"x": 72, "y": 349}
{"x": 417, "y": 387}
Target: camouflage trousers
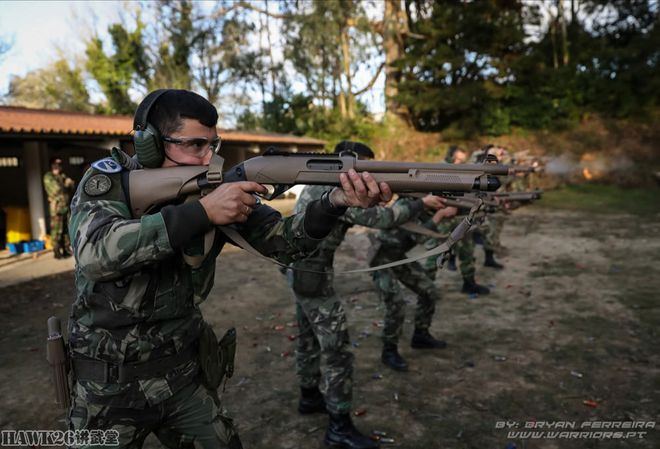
{"x": 414, "y": 277}
{"x": 463, "y": 249}
{"x": 490, "y": 231}
{"x": 59, "y": 232}
{"x": 323, "y": 335}
{"x": 190, "y": 419}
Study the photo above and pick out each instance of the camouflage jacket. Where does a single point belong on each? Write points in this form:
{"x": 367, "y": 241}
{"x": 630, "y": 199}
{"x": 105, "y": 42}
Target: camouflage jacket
{"x": 398, "y": 241}
{"x": 375, "y": 217}
{"x": 58, "y": 193}
{"x": 137, "y": 299}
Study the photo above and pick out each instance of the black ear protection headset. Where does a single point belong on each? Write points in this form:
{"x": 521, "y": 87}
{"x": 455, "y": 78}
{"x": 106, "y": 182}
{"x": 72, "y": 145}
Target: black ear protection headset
{"x": 147, "y": 140}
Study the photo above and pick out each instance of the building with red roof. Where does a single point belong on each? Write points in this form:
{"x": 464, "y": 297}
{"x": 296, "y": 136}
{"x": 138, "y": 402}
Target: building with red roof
{"x": 29, "y": 138}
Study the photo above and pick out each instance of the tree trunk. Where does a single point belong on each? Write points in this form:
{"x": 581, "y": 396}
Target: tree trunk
{"x": 564, "y": 34}
{"x": 340, "y": 98}
{"x": 394, "y": 26}
{"x": 346, "y": 65}
{"x": 553, "y": 40}
{"x": 270, "y": 54}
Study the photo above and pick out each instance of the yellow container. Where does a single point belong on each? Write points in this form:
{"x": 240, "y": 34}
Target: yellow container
{"x": 18, "y": 224}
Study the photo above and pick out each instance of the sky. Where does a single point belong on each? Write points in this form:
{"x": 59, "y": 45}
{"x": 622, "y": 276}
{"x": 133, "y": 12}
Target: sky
{"x": 39, "y": 28}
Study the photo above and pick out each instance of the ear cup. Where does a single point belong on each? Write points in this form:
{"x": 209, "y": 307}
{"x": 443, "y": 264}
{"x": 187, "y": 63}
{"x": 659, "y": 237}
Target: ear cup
{"x": 148, "y": 147}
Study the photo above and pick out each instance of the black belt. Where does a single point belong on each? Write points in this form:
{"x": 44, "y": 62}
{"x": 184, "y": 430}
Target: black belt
{"x": 104, "y": 372}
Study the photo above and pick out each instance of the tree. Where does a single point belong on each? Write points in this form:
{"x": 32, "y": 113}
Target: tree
{"x": 117, "y": 73}
{"x": 175, "y": 33}
{"x": 458, "y": 72}
{"x": 58, "y": 86}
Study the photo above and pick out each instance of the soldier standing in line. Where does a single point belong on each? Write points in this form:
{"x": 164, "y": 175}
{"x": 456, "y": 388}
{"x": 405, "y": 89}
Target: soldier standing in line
{"x": 59, "y": 188}
{"x": 392, "y": 245}
{"x": 144, "y": 360}
{"x": 321, "y": 316}
{"x": 464, "y": 248}
{"x": 488, "y": 234}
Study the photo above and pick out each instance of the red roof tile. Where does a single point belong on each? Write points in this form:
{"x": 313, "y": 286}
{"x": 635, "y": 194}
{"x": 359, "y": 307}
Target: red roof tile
{"x": 20, "y": 120}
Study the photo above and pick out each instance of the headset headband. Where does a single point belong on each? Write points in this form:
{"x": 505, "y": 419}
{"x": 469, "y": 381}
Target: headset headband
{"x": 140, "y": 121}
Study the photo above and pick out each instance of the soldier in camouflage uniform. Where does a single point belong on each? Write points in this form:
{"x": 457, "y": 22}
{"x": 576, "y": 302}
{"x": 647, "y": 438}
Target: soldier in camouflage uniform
{"x": 464, "y": 248}
{"x": 489, "y": 232}
{"x": 59, "y": 188}
{"x": 135, "y": 326}
{"x": 321, "y": 316}
{"x": 392, "y": 245}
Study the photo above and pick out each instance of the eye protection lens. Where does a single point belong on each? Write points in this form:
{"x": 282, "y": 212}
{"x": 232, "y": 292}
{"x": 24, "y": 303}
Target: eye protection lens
{"x": 196, "y": 146}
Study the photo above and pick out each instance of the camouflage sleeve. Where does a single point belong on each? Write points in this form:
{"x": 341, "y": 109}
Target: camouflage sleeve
{"x": 291, "y": 238}
{"x": 285, "y": 239}
{"x": 108, "y": 243}
{"x": 51, "y": 186}
{"x": 403, "y": 210}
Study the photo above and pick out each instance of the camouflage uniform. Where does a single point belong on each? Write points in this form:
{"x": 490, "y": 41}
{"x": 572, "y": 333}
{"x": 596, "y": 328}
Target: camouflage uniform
{"x": 464, "y": 249}
{"x": 491, "y": 228}
{"x": 138, "y": 301}
{"x": 320, "y": 314}
{"x": 59, "y": 196}
{"x": 392, "y": 246}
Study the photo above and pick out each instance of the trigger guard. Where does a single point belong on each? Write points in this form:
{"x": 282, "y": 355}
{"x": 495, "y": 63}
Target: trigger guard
{"x": 273, "y": 191}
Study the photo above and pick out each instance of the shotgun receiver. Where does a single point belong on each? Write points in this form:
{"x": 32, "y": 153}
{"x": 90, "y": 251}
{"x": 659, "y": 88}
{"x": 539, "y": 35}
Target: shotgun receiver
{"x": 150, "y": 189}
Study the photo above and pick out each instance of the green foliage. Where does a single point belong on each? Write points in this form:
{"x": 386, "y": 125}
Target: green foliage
{"x": 171, "y": 67}
{"x": 297, "y": 114}
{"x": 481, "y": 67}
{"x": 115, "y": 73}
{"x": 459, "y": 72}
{"x": 57, "y": 86}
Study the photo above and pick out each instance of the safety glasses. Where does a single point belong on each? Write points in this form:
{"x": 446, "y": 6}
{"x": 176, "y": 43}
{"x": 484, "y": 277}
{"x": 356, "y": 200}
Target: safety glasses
{"x": 195, "y": 146}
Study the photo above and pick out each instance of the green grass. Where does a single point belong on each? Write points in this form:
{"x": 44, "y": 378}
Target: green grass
{"x": 601, "y": 198}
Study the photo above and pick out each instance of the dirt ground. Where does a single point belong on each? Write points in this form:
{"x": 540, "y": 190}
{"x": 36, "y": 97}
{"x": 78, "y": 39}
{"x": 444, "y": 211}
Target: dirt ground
{"x": 574, "y": 317}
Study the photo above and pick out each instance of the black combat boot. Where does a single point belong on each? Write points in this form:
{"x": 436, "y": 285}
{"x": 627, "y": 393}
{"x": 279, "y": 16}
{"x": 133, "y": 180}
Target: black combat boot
{"x": 342, "y": 434}
{"x": 311, "y": 401}
{"x": 392, "y": 358}
{"x": 451, "y": 263}
{"x": 422, "y": 339}
{"x": 472, "y": 288}
{"x": 490, "y": 260}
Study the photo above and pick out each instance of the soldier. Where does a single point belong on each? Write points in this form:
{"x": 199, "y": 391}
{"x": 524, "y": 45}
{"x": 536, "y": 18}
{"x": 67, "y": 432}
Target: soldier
{"x": 136, "y": 334}
{"x": 59, "y": 188}
{"x": 456, "y": 155}
{"x": 488, "y": 234}
{"x": 392, "y": 245}
{"x": 464, "y": 248}
{"x": 321, "y": 316}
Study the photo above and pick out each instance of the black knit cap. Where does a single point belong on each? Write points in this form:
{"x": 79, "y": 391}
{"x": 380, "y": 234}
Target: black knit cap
{"x": 356, "y": 147}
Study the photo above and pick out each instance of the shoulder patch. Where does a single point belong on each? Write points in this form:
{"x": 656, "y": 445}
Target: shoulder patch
{"x": 97, "y": 185}
{"x": 107, "y": 165}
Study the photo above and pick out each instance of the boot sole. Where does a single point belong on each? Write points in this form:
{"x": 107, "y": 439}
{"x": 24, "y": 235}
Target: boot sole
{"x": 311, "y": 412}
{"x": 399, "y": 369}
{"x": 333, "y": 445}
{"x": 427, "y": 347}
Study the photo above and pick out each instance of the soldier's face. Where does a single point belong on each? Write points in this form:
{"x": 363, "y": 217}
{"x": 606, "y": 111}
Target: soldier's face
{"x": 460, "y": 157}
{"x": 56, "y": 167}
{"x": 184, "y": 154}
